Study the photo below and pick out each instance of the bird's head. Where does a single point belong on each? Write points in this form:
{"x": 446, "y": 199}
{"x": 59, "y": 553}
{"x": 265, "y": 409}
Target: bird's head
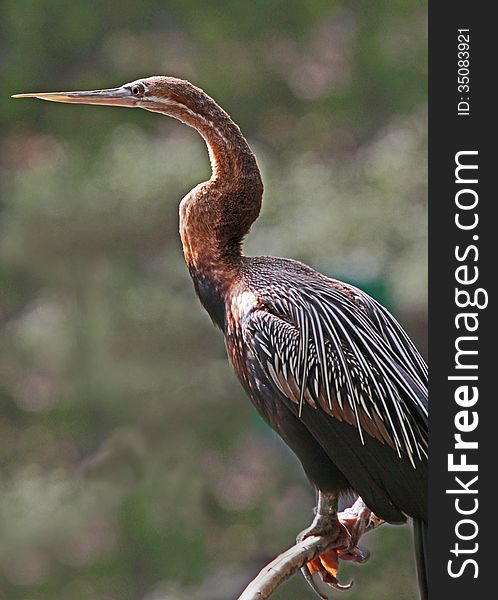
{"x": 167, "y": 95}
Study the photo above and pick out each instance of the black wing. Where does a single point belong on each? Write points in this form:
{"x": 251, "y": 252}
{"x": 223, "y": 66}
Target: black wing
{"x": 351, "y": 374}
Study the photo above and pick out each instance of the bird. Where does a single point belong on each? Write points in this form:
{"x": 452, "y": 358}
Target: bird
{"x": 327, "y": 367}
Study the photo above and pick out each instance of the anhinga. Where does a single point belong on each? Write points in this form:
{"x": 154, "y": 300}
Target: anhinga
{"x": 328, "y": 368}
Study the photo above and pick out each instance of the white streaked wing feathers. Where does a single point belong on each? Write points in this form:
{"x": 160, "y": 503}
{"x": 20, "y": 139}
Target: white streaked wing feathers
{"x": 327, "y": 344}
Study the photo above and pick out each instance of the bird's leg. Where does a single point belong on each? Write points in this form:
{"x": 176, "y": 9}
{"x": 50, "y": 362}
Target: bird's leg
{"x": 325, "y": 522}
{"x": 347, "y": 527}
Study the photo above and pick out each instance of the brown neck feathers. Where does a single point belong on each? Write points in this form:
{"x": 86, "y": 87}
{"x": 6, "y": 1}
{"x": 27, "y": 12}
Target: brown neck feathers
{"x": 217, "y": 214}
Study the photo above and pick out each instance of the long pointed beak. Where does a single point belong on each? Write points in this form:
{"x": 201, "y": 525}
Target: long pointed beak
{"x": 121, "y": 96}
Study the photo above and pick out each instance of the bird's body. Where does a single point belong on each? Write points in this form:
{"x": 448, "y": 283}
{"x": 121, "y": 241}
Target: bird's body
{"x": 344, "y": 440}
{"x": 329, "y": 369}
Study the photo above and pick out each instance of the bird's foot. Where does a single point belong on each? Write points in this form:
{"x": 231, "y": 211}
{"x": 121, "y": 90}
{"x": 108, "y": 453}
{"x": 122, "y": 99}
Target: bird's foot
{"x": 344, "y": 529}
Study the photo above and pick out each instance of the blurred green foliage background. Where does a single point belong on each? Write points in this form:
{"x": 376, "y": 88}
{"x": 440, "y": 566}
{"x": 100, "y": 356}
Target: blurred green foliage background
{"x": 132, "y": 465}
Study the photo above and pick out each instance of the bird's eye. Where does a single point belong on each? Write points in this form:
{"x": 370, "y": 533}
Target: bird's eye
{"x": 138, "y": 89}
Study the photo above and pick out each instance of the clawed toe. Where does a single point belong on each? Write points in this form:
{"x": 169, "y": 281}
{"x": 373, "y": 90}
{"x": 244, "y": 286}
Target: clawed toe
{"x": 327, "y": 565}
{"x": 346, "y": 529}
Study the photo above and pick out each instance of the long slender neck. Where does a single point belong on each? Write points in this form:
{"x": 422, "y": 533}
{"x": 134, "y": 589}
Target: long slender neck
{"x": 216, "y": 215}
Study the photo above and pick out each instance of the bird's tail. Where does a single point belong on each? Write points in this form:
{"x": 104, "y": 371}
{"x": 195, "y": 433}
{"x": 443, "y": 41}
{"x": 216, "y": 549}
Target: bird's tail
{"x": 420, "y": 534}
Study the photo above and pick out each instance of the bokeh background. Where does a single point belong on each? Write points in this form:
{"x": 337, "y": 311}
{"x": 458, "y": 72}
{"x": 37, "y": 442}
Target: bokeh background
{"x": 132, "y": 465}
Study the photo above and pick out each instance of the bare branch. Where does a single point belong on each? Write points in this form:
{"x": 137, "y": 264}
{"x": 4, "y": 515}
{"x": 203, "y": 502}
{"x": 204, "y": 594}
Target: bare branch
{"x": 293, "y": 559}
{"x": 285, "y": 565}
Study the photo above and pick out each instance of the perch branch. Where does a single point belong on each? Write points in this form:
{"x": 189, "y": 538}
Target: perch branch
{"x": 293, "y": 559}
